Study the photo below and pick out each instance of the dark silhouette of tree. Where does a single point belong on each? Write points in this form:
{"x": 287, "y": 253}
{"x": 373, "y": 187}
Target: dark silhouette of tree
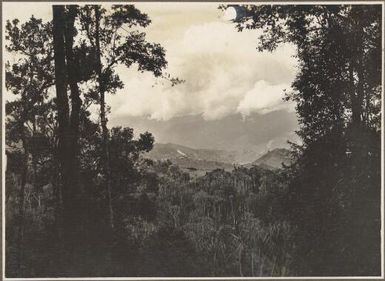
{"x": 28, "y": 78}
{"x": 333, "y": 197}
{"x": 106, "y": 32}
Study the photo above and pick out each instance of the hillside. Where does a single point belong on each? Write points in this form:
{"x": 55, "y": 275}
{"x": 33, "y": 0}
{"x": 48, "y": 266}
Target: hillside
{"x": 175, "y": 151}
{"x": 194, "y": 161}
{"x": 273, "y": 159}
{"x": 200, "y": 161}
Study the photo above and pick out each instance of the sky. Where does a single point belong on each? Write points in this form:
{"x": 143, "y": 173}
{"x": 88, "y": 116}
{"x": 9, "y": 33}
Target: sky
{"x": 232, "y": 95}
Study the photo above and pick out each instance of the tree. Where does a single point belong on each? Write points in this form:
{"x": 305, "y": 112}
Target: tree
{"x": 73, "y": 210}
{"x": 73, "y": 78}
{"x": 337, "y": 92}
{"x": 28, "y": 78}
{"x": 54, "y": 137}
{"x": 106, "y": 33}
{"x": 72, "y": 66}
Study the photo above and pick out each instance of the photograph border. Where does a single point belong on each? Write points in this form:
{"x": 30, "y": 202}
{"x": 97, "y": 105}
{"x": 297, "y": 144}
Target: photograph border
{"x": 2, "y": 164}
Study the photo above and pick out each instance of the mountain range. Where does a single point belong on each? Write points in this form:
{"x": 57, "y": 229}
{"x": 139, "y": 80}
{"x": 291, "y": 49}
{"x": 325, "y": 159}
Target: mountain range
{"x": 200, "y": 161}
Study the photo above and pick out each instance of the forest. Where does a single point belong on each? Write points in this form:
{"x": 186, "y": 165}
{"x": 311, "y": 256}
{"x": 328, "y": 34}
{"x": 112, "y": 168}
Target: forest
{"x": 82, "y": 200}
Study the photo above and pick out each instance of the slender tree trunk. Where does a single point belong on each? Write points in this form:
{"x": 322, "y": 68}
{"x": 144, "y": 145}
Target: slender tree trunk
{"x": 360, "y": 74}
{"x": 261, "y": 266}
{"x": 355, "y": 123}
{"x": 61, "y": 95}
{"x": 34, "y": 160}
{"x": 76, "y": 101}
{"x": 273, "y": 268}
{"x": 240, "y": 261}
{"x": 283, "y": 270}
{"x": 68, "y": 224}
{"x": 252, "y": 263}
{"x": 21, "y": 213}
{"x": 356, "y": 114}
{"x": 57, "y": 193}
{"x": 232, "y": 210}
{"x": 103, "y": 121}
{"x": 357, "y": 94}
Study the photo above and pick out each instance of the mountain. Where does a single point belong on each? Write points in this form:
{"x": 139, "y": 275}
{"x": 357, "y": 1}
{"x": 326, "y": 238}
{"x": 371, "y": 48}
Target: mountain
{"x": 193, "y": 160}
{"x": 273, "y": 159}
{"x": 175, "y": 151}
{"x": 200, "y": 161}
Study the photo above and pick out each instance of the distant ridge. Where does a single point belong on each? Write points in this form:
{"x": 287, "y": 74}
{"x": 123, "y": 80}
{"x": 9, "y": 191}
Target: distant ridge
{"x": 203, "y": 160}
{"x": 196, "y": 161}
{"x": 273, "y": 159}
{"x": 172, "y": 151}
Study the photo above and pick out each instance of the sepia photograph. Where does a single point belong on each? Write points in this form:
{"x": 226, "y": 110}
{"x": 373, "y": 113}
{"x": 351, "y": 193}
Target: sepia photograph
{"x": 192, "y": 139}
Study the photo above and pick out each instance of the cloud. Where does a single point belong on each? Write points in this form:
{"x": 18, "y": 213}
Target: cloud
{"x": 224, "y": 72}
{"x": 250, "y": 135}
{"x": 264, "y": 98}
{"x": 224, "y": 75}
{"x": 232, "y": 98}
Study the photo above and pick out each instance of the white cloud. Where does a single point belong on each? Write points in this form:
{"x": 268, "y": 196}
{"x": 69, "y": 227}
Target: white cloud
{"x": 264, "y": 98}
{"x": 224, "y": 74}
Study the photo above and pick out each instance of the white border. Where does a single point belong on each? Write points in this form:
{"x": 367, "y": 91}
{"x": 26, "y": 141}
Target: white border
{"x": 202, "y": 278}
{"x": 3, "y": 157}
{"x": 382, "y": 145}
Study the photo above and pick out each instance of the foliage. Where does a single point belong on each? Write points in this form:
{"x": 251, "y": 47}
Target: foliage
{"x": 337, "y": 94}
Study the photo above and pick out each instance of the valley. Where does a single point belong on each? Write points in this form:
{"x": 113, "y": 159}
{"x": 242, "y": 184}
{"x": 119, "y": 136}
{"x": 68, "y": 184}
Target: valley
{"x": 200, "y": 161}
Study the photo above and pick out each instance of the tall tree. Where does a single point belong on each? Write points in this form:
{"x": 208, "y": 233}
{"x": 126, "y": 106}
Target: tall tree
{"x": 72, "y": 211}
{"x": 61, "y": 92}
{"x": 106, "y": 32}
{"x": 28, "y": 78}
{"x": 337, "y": 92}
{"x": 76, "y": 102}
{"x": 73, "y": 64}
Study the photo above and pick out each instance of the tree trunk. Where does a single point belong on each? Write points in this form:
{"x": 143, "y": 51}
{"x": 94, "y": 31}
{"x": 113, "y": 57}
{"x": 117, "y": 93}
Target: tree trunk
{"x": 76, "y": 102}
{"x": 252, "y": 263}
{"x": 79, "y": 200}
{"x": 283, "y": 271}
{"x": 240, "y": 261}
{"x": 261, "y": 266}
{"x": 61, "y": 96}
{"x": 70, "y": 224}
{"x": 21, "y": 213}
{"x": 34, "y": 160}
{"x": 273, "y": 268}
{"x": 103, "y": 121}
{"x": 357, "y": 92}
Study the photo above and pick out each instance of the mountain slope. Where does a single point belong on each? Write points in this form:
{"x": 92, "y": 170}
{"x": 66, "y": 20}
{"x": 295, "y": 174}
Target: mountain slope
{"x": 175, "y": 151}
{"x": 273, "y": 159}
{"x": 197, "y": 161}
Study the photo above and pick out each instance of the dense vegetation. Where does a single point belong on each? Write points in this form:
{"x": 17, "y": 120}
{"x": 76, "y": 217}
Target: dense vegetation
{"x": 334, "y": 190}
{"x": 81, "y": 200}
